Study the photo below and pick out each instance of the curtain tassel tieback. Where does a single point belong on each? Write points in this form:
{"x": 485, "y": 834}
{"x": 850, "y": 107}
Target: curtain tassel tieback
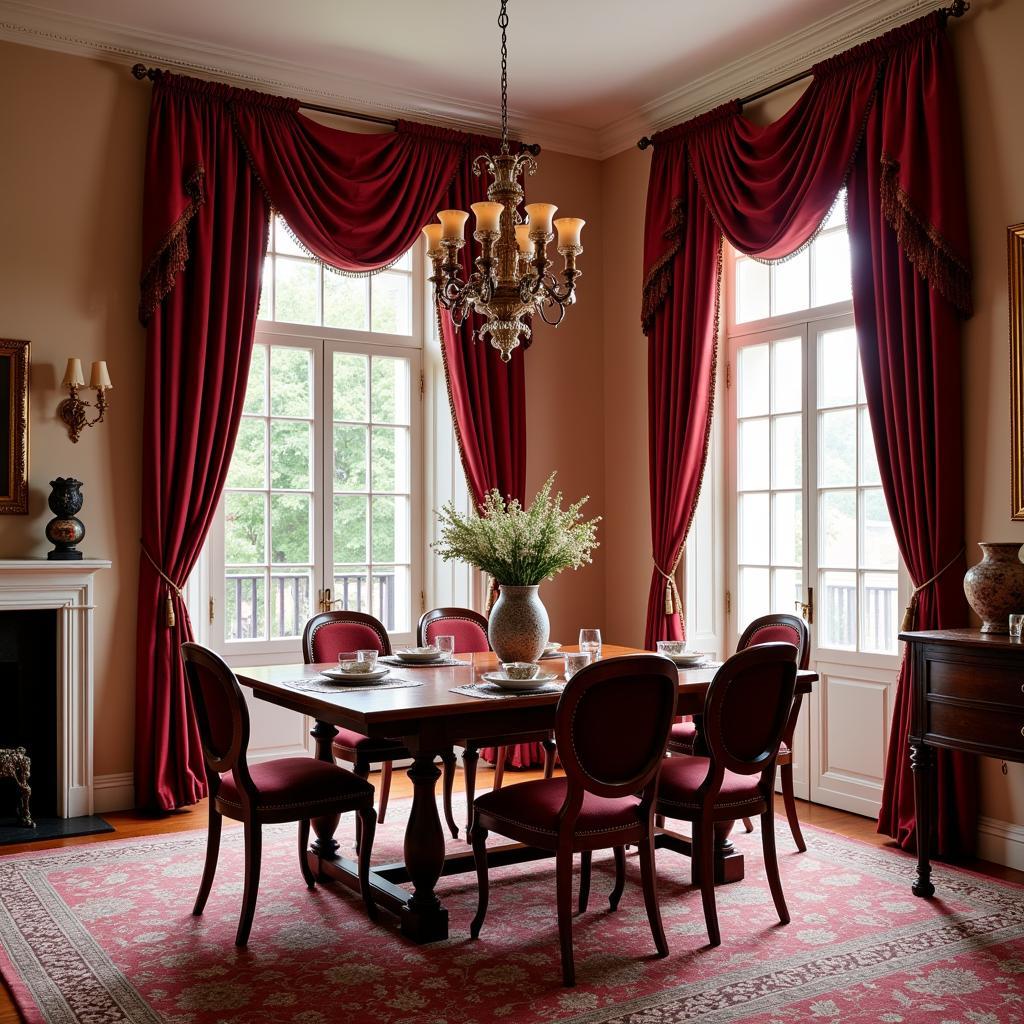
{"x": 673, "y": 602}
{"x": 171, "y": 586}
{"x": 911, "y": 609}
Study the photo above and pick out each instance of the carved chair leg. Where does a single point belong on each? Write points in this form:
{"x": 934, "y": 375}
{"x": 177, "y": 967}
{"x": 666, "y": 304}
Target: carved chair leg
{"x": 563, "y": 895}
{"x": 499, "y": 768}
{"x": 585, "y": 861}
{"x": 549, "y": 756}
{"x": 478, "y": 837}
{"x": 385, "y": 790}
{"x": 649, "y": 879}
{"x": 362, "y": 769}
{"x": 212, "y": 852}
{"x": 771, "y": 863}
{"x": 253, "y": 861}
{"x": 448, "y": 759}
{"x": 470, "y": 757}
{"x": 620, "y": 878}
{"x": 368, "y": 826}
{"x": 748, "y": 825}
{"x": 789, "y": 798}
{"x": 704, "y": 850}
{"x": 307, "y": 871}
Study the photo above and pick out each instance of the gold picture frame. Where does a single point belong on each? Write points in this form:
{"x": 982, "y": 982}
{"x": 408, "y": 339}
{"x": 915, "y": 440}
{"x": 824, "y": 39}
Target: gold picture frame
{"x": 14, "y": 371}
{"x": 1015, "y": 262}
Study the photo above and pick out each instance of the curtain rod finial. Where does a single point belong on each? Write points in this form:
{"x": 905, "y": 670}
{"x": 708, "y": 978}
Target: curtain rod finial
{"x": 644, "y": 142}
{"x": 140, "y": 71}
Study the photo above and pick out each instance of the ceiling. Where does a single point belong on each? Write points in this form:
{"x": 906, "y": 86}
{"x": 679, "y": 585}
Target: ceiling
{"x": 581, "y": 64}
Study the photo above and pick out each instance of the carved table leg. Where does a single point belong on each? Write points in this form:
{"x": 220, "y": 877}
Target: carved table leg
{"x": 325, "y": 844}
{"x": 922, "y": 762}
{"x": 423, "y": 919}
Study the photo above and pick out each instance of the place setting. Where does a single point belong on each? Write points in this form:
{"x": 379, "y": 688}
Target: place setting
{"x": 356, "y": 670}
{"x": 513, "y": 679}
{"x": 439, "y": 654}
{"x": 685, "y": 657}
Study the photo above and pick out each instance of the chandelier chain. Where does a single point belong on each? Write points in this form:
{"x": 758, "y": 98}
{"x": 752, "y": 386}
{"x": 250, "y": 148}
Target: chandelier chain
{"x": 503, "y": 25}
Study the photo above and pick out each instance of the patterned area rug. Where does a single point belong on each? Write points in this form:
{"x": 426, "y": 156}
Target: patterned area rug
{"x": 102, "y": 934}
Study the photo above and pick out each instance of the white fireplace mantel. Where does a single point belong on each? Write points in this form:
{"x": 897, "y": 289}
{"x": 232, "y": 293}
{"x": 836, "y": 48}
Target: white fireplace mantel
{"x": 66, "y": 587}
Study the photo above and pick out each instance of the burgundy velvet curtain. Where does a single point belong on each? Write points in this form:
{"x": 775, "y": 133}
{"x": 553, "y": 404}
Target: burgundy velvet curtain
{"x": 884, "y": 118}
{"x": 217, "y": 160}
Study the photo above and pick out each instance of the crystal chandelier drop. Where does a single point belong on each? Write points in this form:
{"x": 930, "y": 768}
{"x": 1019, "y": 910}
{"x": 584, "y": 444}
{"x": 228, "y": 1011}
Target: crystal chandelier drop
{"x": 512, "y": 279}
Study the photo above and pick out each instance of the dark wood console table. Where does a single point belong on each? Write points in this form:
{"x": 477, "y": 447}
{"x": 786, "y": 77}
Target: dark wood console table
{"x": 969, "y": 696}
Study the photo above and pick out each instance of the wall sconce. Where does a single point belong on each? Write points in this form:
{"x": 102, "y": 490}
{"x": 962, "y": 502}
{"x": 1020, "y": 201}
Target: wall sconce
{"x": 72, "y": 409}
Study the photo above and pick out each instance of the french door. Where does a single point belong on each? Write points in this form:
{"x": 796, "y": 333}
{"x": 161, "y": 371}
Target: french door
{"x": 811, "y": 535}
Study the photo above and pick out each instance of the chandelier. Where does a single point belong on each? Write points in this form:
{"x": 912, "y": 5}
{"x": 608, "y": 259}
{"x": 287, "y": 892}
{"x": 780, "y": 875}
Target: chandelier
{"x": 512, "y": 279}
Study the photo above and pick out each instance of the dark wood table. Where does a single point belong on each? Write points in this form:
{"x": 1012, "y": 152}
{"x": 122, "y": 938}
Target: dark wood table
{"x": 968, "y": 695}
{"x": 429, "y": 719}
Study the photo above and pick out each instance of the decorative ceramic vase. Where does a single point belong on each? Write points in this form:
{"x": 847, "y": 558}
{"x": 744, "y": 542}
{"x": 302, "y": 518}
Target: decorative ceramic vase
{"x": 518, "y": 626}
{"x": 995, "y": 586}
{"x": 66, "y": 530}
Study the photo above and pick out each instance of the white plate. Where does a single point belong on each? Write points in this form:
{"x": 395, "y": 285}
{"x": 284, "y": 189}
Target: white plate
{"x": 337, "y": 676}
{"x": 419, "y": 657}
{"x": 500, "y": 679}
{"x": 689, "y": 658}
{"x": 552, "y": 650}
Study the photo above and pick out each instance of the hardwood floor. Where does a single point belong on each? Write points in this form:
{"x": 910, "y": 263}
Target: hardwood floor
{"x": 129, "y": 824}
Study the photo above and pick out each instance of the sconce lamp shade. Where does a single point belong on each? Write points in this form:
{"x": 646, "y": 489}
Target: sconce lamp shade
{"x": 73, "y": 374}
{"x": 99, "y": 378}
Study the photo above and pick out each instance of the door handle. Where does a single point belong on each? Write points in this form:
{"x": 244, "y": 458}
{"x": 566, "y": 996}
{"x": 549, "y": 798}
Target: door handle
{"x": 806, "y": 609}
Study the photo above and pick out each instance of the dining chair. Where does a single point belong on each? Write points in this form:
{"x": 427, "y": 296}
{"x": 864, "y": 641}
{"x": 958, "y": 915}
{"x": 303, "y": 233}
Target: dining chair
{"x": 746, "y": 710}
{"x": 611, "y": 726}
{"x": 287, "y": 789}
{"x": 326, "y": 635}
{"x": 470, "y": 631}
{"x": 782, "y": 628}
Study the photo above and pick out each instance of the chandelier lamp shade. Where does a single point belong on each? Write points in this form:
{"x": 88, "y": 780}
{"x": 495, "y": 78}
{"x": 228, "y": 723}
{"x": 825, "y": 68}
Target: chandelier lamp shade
{"x": 512, "y": 277}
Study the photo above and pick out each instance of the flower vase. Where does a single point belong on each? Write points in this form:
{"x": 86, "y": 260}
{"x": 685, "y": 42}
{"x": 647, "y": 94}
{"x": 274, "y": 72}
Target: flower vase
{"x": 995, "y": 586}
{"x": 66, "y": 530}
{"x": 518, "y": 626}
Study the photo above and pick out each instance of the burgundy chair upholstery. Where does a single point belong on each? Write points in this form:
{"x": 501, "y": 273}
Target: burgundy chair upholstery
{"x": 611, "y": 726}
{"x": 327, "y": 635}
{"x": 747, "y": 708}
{"x": 470, "y": 631}
{"x": 776, "y": 628}
{"x": 289, "y": 789}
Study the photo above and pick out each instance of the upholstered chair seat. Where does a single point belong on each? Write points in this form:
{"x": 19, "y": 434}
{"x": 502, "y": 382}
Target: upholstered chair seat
{"x": 682, "y": 777}
{"x": 294, "y": 784}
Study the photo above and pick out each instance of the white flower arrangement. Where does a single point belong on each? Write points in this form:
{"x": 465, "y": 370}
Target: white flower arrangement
{"x": 519, "y": 547}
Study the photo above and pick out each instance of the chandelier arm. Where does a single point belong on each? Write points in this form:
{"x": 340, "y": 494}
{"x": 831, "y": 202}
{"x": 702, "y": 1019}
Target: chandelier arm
{"x": 544, "y": 316}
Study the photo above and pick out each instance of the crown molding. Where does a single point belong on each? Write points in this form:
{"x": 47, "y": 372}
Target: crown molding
{"x": 30, "y": 25}
{"x": 857, "y": 23}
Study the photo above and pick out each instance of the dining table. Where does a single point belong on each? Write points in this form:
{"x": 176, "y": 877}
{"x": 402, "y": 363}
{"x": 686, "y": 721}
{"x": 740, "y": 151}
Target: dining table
{"x": 429, "y": 717}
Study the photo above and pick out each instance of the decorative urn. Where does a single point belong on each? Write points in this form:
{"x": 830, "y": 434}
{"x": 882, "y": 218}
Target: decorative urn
{"x": 995, "y": 586}
{"x": 66, "y": 530}
{"x": 518, "y": 626}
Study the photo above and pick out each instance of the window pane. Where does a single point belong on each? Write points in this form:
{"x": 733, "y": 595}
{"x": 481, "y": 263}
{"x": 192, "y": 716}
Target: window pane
{"x": 245, "y": 529}
{"x": 291, "y": 446}
{"x": 868, "y": 458}
{"x": 755, "y": 598}
{"x": 352, "y": 588}
{"x": 390, "y": 398}
{"x": 266, "y": 310}
{"x": 243, "y": 604}
{"x": 837, "y": 610}
{"x": 248, "y": 460}
{"x": 752, "y": 381}
{"x": 392, "y": 303}
{"x": 787, "y": 529}
{"x": 837, "y": 215}
{"x": 752, "y": 287}
{"x": 837, "y": 539}
{"x": 391, "y": 462}
{"x": 753, "y": 454}
{"x": 296, "y": 291}
{"x": 290, "y": 528}
{"x": 753, "y": 529}
{"x": 351, "y": 523}
{"x": 291, "y": 391}
{"x": 283, "y": 240}
{"x": 350, "y": 456}
{"x": 791, "y": 284}
{"x": 351, "y": 398}
{"x": 390, "y": 529}
{"x": 787, "y": 451}
{"x": 837, "y": 447}
{"x": 877, "y": 541}
{"x": 346, "y": 301}
{"x": 879, "y": 604}
{"x": 404, "y": 262}
{"x": 289, "y": 603}
{"x": 787, "y": 375}
{"x": 256, "y": 387}
{"x": 787, "y": 589}
{"x": 391, "y": 591}
{"x": 837, "y": 367}
{"x": 832, "y": 281}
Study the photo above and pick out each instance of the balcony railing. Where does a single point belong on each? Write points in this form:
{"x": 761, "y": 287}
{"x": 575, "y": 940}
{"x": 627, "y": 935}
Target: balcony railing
{"x": 840, "y": 617}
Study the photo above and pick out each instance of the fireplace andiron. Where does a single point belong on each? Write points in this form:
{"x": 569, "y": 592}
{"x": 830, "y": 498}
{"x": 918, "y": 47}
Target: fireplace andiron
{"x": 15, "y": 764}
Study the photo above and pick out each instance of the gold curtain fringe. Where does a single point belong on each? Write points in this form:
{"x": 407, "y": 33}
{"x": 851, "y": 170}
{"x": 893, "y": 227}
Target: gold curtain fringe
{"x": 658, "y": 282}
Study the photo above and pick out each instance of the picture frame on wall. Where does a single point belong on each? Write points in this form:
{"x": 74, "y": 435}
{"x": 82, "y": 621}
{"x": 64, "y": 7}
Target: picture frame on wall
{"x": 14, "y": 380}
{"x": 1015, "y": 262}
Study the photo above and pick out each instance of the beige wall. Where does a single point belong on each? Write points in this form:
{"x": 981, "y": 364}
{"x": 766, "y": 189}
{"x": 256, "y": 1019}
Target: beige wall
{"x": 71, "y": 181}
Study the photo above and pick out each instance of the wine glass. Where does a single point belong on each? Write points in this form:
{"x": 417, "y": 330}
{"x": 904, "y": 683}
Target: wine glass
{"x": 590, "y": 641}
{"x": 575, "y": 661}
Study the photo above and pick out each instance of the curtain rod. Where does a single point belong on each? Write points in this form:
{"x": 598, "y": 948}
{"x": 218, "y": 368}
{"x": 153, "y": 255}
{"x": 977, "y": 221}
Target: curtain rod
{"x": 957, "y": 9}
{"x": 140, "y": 71}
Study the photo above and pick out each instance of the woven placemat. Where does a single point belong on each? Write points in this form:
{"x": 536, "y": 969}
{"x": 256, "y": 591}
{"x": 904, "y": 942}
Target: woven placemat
{"x": 392, "y": 659}
{"x": 321, "y": 684}
{"x": 490, "y": 691}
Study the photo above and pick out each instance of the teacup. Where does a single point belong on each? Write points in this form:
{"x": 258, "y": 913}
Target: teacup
{"x": 352, "y": 664}
{"x": 520, "y": 669}
{"x": 671, "y": 647}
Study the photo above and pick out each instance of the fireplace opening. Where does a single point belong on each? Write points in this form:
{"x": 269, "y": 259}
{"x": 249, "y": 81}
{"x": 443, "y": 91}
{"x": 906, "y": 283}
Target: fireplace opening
{"x": 28, "y": 704}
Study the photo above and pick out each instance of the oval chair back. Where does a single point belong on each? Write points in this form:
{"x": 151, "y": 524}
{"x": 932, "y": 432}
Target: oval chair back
{"x": 779, "y": 627}
{"x": 612, "y": 724}
{"x": 221, "y": 714}
{"x": 329, "y": 634}
{"x": 467, "y": 626}
{"x": 747, "y": 708}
